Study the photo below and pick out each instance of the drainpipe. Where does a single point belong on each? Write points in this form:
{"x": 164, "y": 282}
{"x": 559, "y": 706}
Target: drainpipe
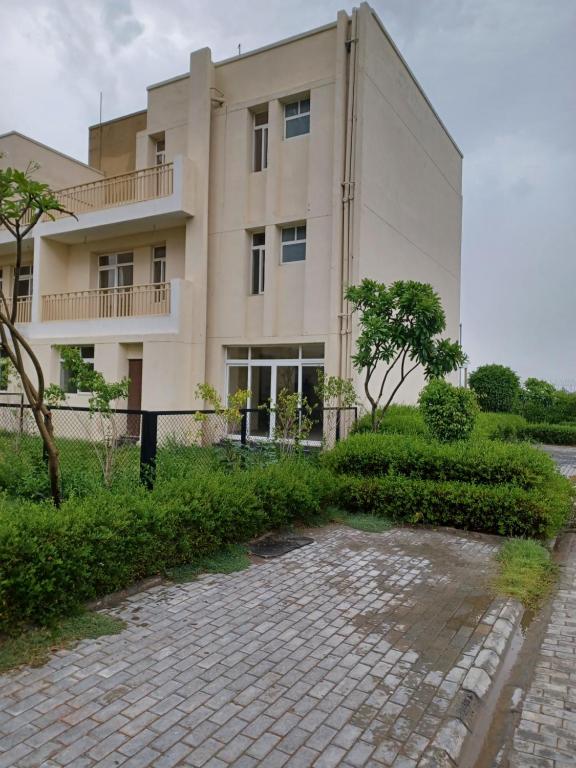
{"x": 345, "y": 363}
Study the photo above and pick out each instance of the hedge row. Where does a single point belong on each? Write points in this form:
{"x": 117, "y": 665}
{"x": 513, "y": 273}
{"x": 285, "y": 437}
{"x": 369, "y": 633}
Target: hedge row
{"x": 502, "y": 509}
{"x": 52, "y": 561}
{"x": 551, "y": 434}
{"x": 480, "y": 461}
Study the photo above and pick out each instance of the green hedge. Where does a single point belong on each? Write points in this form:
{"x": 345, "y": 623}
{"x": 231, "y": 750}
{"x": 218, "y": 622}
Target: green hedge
{"x": 503, "y": 509}
{"x": 551, "y": 434}
{"x": 483, "y": 462}
{"x": 54, "y": 560}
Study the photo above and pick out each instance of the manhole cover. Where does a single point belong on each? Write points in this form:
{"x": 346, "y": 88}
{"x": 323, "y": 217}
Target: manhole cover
{"x": 274, "y": 546}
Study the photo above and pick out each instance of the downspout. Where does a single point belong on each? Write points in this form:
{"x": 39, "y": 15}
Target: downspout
{"x": 348, "y": 182}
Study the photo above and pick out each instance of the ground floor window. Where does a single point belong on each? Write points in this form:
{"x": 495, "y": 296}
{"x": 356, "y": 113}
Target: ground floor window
{"x": 266, "y": 371}
{"x": 66, "y": 383}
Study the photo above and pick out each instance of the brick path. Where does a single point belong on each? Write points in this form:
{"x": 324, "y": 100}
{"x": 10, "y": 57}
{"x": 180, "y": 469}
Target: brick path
{"x": 546, "y": 734}
{"x": 359, "y": 650}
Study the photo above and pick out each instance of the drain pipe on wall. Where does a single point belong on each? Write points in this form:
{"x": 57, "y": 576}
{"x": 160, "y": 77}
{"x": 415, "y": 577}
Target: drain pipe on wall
{"x": 348, "y": 183}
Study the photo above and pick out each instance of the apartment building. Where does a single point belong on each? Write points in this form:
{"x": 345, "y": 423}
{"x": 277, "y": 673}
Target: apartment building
{"x": 217, "y": 229}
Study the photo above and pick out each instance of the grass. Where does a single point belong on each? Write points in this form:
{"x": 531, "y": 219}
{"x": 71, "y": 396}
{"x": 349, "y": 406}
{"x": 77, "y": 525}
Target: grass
{"x": 34, "y": 646}
{"x": 526, "y": 572}
{"x": 234, "y": 558}
{"x": 363, "y": 522}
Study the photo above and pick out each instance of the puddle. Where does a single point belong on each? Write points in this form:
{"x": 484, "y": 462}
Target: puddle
{"x": 275, "y": 546}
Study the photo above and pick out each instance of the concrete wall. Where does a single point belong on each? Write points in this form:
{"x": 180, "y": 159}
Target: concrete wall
{"x": 112, "y": 145}
{"x": 56, "y": 169}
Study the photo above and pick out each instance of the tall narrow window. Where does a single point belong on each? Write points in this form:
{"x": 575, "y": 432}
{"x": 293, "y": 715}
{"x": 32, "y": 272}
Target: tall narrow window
{"x": 25, "y": 282}
{"x": 260, "y": 159}
{"x": 160, "y": 151}
{"x": 297, "y": 118}
{"x": 159, "y": 264}
{"x": 66, "y": 378}
{"x": 258, "y": 262}
{"x": 293, "y": 243}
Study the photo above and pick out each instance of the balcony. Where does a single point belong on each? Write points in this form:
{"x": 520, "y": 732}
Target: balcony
{"x": 23, "y": 309}
{"x": 128, "y": 301}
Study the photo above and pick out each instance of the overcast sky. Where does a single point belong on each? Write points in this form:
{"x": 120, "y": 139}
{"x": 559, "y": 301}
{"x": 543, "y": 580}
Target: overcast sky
{"x": 501, "y": 74}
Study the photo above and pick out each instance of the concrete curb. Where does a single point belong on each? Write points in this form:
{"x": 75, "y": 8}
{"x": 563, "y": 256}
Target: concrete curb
{"x": 479, "y": 665}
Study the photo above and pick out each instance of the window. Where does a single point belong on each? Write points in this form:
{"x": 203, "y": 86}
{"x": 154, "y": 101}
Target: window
{"x": 87, "y": 354}
{"x": 293, "y": 243}
{"x": 159, "y": 264}
{"x": 160, "y": 151}
{"x": 115, "y": 270}
{"x": 258, "y": 263}
{"x": 24, "y": 289}
{"x": 297, "y": 118}
{"x": 260, "y": 157}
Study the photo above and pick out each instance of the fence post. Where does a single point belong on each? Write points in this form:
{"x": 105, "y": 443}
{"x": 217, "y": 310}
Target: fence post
{"x": 148, "y": 447}
{"x": 243, "y": 426}
{"x": 338, "y": 425}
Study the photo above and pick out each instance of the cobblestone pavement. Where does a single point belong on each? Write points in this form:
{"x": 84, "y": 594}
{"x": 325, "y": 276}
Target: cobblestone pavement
{"x": 359, "y": 650}
{"x": 564, "y": 456}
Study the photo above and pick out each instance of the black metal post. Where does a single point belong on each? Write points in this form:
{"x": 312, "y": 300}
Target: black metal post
{"x": 338, "y": 425}
{"x": 243, "y": 426}
{"x": 148, "y": 447}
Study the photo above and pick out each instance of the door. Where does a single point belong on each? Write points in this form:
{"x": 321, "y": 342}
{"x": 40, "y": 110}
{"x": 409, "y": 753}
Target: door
{"x": 134, "y": 397}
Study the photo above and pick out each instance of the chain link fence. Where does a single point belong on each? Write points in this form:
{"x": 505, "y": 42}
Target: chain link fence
{"x": 127, "y": 447}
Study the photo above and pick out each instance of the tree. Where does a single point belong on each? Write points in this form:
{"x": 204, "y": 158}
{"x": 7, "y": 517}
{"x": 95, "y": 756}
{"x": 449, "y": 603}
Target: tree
{"x": 399, "y": 326}
{"x": 23, "y": 202}
{"x": 497, "y": 387}
{"x": 448, "y": 412}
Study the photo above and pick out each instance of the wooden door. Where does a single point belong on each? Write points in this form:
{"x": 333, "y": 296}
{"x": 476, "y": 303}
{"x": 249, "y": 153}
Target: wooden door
{"x": 134, "y": 397}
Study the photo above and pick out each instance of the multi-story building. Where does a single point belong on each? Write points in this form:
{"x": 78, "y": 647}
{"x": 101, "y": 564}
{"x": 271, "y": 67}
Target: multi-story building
{"x": 217, "y": 229}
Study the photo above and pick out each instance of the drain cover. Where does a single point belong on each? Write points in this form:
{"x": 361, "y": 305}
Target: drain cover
{"x": 274, "y": 546}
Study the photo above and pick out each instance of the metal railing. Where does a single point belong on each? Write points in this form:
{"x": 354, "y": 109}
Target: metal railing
{"x": 128, "y": 301}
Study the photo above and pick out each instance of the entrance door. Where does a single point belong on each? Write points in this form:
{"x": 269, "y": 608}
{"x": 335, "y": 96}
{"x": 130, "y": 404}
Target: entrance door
{"x": 134, "y": 397}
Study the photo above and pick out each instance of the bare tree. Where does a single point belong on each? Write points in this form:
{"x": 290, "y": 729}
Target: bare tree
{"x": 23, "y": 202}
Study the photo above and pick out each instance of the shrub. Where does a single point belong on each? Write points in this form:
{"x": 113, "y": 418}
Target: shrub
{"x": 399, "y": 419}
{"x": 484, "y": 462}
{"x": 53, "y": 560}
{"x": 498, "y": 426}
{"x": 448, "y": 412}
{"x": 551, "y": 434}
{"x": 540, "y": 401}
{"x": 497, "y": 387}
{"x": 506, "y": 510}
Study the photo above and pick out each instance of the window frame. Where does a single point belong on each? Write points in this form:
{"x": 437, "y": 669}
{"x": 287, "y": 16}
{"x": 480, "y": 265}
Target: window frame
{"x": 87, "y": 360}
{"x": 300, "y": 114}
{"x": 26, "y": 277}
{"x": 259, "y": 250}
{"x": 160, "y": 154}
{"x": 158, "y": 260}
{"x": 114, "y": 267}
{"x": 295, "y": 241}
{"x": 260, "y": 158}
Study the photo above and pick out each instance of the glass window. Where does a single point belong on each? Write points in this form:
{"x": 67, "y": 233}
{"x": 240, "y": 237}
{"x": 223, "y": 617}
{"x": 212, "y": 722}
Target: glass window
{"x": 159, "y": 264}
{"x": 115, "y": 269}
{"x": 258, "y": 263}
{"x": 260, "y": 149}
{"x": 276, "y": 352}
{"x": 160, "y": 151}
{"x": 313, "y": 351}
{"x": 293, "y": 243}
{"x": 24, "y": 289}
{"x": 297, "y": 118}
{"x": 237, "y": 353}
{"x": 87, "y": 354}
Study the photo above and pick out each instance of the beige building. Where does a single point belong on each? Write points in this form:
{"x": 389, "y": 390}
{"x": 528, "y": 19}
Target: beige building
{"x": 217, "y": 229}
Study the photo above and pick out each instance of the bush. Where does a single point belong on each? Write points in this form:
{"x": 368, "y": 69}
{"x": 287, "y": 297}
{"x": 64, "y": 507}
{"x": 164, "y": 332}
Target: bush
{"x": 540, "y": 401}
{"x": 497, "y": 387}
{"x": 506, "y": 510}
{"x": 550, "y": 434}
{"x": 54, "y": 560}
{"x": 399, "y": 419}
{"x": 448, "y": 412}
{"x": 484, "y": 462}
{"x": 498, "y": 426}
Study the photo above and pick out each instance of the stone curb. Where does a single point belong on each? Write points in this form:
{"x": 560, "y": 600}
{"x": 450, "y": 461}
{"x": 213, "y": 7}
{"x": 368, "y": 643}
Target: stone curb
{"x": 480, "y": 665}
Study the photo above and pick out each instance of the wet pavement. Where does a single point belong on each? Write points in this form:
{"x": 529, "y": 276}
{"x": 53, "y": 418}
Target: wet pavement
{"x": 564, "y": 456}
{"x": 361, "y": 649}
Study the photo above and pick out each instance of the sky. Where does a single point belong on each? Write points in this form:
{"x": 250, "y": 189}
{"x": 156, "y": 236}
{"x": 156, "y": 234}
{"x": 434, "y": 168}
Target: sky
{"x": 500, "y": 73}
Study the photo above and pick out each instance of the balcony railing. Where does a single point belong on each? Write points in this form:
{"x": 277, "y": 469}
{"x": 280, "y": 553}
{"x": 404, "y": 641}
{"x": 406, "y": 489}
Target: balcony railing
{"x": 23, "y": 308}
{"x": 128, "y": 301}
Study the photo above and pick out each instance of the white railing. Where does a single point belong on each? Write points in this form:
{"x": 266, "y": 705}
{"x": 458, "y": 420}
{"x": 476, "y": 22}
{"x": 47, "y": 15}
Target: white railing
{"x": 129, "y": 301}
{"x": 23, "y": 308}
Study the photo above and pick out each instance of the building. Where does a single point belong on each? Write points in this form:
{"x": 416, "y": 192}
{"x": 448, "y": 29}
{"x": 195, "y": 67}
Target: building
{"x": 217, "y": 229}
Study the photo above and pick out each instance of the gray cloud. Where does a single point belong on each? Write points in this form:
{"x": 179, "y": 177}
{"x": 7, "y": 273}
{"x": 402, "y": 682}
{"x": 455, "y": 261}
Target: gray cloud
{"x": 499, "y": 72}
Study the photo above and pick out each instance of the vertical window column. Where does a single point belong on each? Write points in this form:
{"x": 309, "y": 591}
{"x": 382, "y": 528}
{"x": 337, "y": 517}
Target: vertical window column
{"x": 258, "y": 265}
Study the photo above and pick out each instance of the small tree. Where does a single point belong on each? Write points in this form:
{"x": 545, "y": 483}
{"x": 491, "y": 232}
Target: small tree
{"x": 448, "y": 412}
{"x": 228, "y": 417}
{"x": 497, "y": 387}
{"x": 23, "y": 202}
{"x": 292, "y": 420}
{"x": 101, "y": 396}
{"x": 399, "y": 325}
{"x": 333, "y": 393}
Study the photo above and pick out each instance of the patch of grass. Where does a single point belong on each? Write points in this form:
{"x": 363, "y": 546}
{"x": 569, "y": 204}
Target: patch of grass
{"x": 34, "y": 646}
{"x": 229, "y": 560}
{"x": 526, "y": 572}
{"x": 367, "y": 523}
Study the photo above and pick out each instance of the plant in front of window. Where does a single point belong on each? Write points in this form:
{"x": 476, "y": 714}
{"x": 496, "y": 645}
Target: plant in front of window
{"x": 23, "y": 202}
{"x": 292, "y": 421}
{"x": 399, "y": 328}
{"x": 225, "y": 419}
{"x": 334, "y": 393}
{"x": 101, "y": 396}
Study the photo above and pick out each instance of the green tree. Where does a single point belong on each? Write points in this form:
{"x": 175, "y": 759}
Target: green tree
{"x": 399, "y": 328}
{"x": 448, "y": 412}
{"x": 23, "y": 202}
{"x": 497, "y": 387}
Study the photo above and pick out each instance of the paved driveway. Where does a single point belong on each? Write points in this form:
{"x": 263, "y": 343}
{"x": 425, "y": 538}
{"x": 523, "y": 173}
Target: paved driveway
{"x": 359, "y": 650}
